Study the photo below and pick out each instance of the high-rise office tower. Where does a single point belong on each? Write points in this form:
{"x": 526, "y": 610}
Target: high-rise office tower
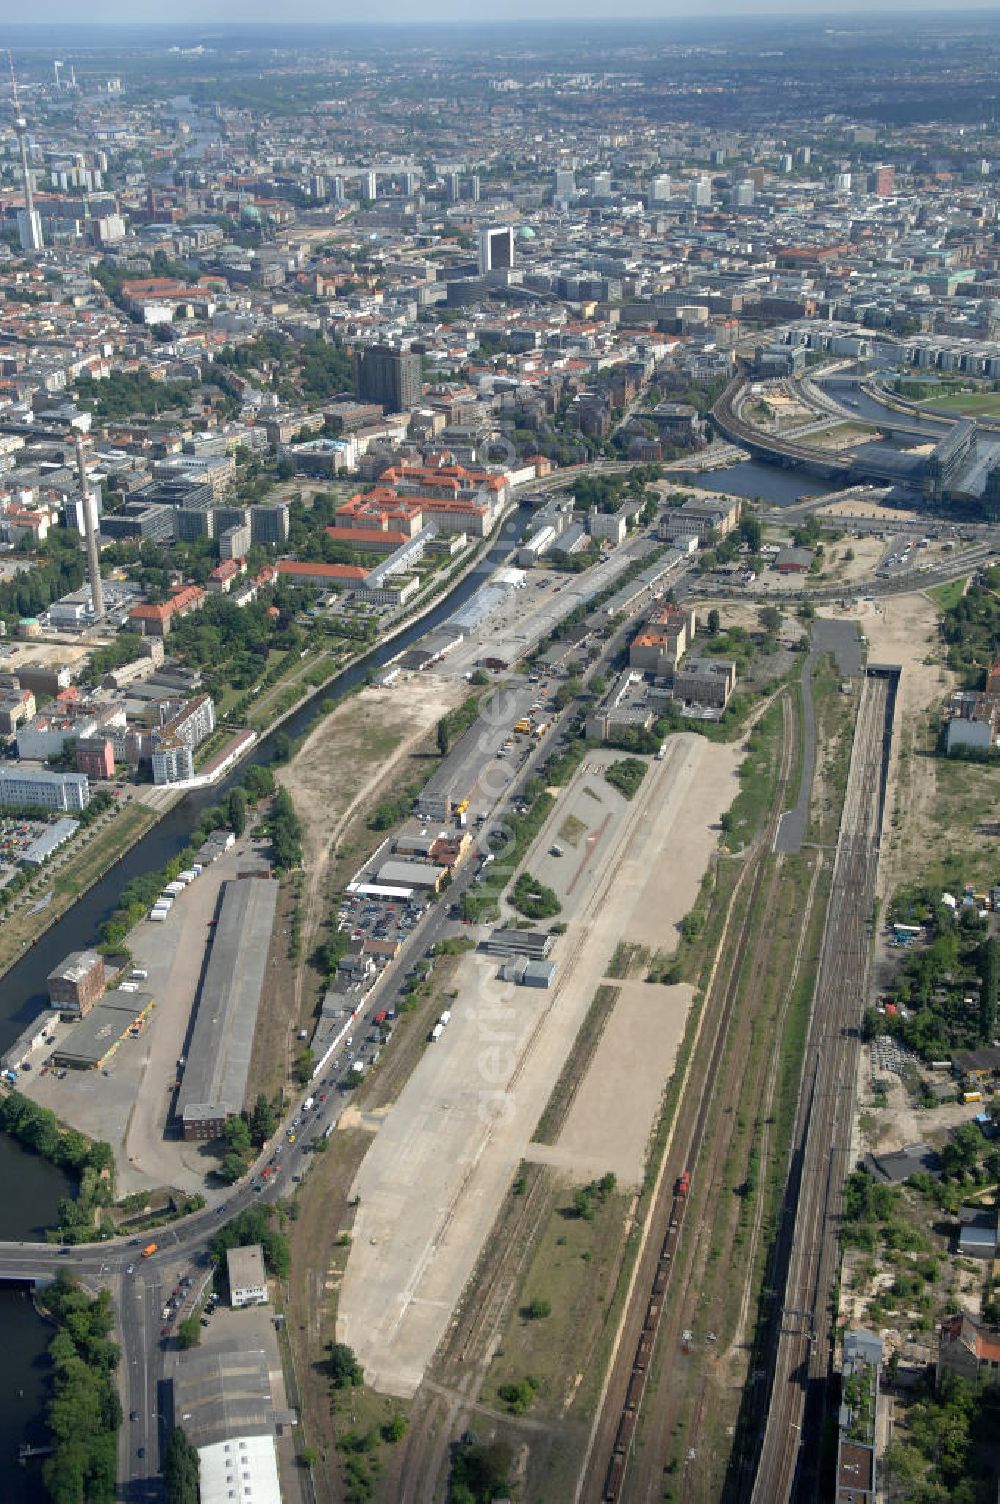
{"x": 701, "y": 192}
{"x": 883, "y": 180}
{"x": 369, "y": 185}
{"x": 389, "y": 376}
{"x": 496, "y": 249}
{"x": 564, "y": 183}
{"x": 601, "y": 186}
{"x": 660, "y": 189}
{"x": 743, "y": 194}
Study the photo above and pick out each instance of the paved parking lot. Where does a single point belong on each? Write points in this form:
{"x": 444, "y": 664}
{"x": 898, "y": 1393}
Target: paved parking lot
{"x": 128, "y": 1103}
{"x": 432, "y": 1181}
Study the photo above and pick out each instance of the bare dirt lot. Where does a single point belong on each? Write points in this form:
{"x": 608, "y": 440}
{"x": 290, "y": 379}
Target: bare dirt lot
{"x": 435, "y": 1174}
{"x": 359, "y": 747}
{"x": 356, "y": 745}
{"x": 623, "y": 1086}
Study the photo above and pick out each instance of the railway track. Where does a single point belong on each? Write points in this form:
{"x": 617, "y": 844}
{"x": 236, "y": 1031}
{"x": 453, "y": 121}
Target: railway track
{"x": 800, "y": 1339}
{"x": 609, "y": 1459}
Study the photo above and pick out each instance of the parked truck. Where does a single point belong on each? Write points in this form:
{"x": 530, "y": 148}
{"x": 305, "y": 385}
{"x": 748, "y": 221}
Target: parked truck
{"x": 308, "y": 1103}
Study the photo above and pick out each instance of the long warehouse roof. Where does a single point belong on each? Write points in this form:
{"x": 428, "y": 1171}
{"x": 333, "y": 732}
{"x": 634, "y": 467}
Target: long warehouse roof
{"x": 219, "y": 1053}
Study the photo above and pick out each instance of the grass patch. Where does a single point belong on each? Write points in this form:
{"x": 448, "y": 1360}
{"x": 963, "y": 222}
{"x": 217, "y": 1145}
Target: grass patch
{"x": 574, "y": 1270}
{"x": 626, "y": 775}
{"x": 571, "y": 830}
{"x": 975, "y": 404}
{"x": 949, "y": 594}
{"x": 628, "y": 960}
{"x": 584, "y": 1047}
{"x": 758, "y": 780}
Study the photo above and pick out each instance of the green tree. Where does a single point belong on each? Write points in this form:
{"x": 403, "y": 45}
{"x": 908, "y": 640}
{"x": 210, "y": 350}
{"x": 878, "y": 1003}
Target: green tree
{"x": 236, "y": 811}
{"x": 263, "y": 1121}
{"x": 254, "y": 1225}
{"x": 712, "y": 622}
{"x": 480, "y": 1472}
{"x": 232, "y": 1168}
{"x": 770, "y": 620}
{"x": 442, "y": 737}
{"x": 750, "y": 532}
{"x": 343, "y": 1367}
{"x": 189, "y": 1333}
{"x": 393, "y": 1430}
{"x": 181, "y": 1469}
{"x": 258, "y": 783}
{"x": 238, "y": 1136}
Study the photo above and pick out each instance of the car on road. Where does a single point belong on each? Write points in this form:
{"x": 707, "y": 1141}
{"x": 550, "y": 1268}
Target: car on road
{"x": 165, "y": 1332}
{"x": 140, "y": 1452}
{"x": 130, "y": 1269}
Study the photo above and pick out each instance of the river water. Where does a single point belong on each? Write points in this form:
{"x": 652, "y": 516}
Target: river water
{"x": 30, "y": 1188}
{"x": 754, "y": 479}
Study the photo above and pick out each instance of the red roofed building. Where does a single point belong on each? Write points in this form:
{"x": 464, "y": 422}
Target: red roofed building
{"x": 971, "y": 1351}
{"x": 381, "y": 509}
{"x": 156, "y": 620}
{"x": 373, "y": 540}
{"x": 658, "y": 647}
{"x": 439, "y": 477}
{"x": 225, "y": 575}
{"x": 303, "y": 573}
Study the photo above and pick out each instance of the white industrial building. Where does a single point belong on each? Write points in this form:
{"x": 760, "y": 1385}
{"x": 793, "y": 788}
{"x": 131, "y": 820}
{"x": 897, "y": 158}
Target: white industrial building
{"x": 247, "y": 1279}
{"x": 243, "y": 1469}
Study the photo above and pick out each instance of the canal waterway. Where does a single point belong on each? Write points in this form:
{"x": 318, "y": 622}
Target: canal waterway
{"x": 30, "y": 1187}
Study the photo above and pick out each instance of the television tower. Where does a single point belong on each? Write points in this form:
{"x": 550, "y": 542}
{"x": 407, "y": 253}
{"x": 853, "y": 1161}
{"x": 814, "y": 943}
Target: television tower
{"x": 29, "y": 221}
{"x": 80, "y": 426}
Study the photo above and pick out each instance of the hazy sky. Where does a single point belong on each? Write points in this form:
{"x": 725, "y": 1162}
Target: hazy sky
{"x": 332, "y": 12}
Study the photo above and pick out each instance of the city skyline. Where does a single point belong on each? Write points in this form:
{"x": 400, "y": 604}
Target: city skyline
{"x": 393, "y": 12}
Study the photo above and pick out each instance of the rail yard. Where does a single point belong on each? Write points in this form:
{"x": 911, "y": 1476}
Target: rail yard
{"x": 799, "y": 1339}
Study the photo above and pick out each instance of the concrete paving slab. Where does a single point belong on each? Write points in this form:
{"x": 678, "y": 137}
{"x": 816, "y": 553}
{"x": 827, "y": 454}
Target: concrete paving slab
{"x": 623, "y": 1087}
{"x": 431, "y": 1183}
